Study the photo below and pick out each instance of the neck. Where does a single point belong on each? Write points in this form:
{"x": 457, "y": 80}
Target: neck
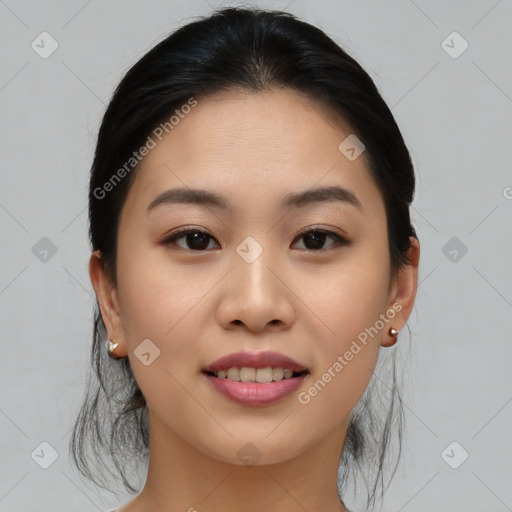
{"x": 183, "y": 478}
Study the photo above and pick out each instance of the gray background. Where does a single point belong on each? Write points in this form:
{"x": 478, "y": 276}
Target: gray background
{"x": 455, "y": 115}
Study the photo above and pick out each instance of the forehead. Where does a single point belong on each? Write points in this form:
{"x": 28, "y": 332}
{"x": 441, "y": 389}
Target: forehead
{"x": 249, "y": 145}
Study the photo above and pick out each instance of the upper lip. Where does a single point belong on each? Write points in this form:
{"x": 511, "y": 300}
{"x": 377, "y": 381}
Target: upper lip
{"x": 254, "y": 360}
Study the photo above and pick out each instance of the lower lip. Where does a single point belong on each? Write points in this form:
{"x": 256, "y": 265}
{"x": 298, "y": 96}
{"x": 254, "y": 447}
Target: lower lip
{"x": 256, "y": 393}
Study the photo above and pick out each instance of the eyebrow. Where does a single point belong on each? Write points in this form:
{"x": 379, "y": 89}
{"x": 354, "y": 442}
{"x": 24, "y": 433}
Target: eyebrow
{"x": 292, "y": 200}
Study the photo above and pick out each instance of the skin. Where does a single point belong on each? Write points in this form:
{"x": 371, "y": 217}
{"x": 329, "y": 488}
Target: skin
{"x": 195, "y": 306}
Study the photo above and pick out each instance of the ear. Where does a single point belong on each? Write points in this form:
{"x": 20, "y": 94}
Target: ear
{"x": 404, "y": 287}
{"x": 108, "y": 300}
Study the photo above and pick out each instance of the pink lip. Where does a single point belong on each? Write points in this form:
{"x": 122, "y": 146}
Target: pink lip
{"x": 254, "y": 360}
{"x": 256, "y": 393}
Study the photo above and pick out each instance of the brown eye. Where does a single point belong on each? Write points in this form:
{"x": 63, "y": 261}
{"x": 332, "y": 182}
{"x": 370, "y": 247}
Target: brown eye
{"x": 199, "y": 241}
{"x": 314, "y": 239}
{"x": 194, "y": 239}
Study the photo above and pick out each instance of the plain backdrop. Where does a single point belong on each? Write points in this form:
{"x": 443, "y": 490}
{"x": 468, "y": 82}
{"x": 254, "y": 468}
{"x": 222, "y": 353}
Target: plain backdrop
{"x": 454, "y": 107}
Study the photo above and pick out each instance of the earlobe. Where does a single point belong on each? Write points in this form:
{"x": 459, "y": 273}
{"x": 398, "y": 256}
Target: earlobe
{"x": 107, "y": 299}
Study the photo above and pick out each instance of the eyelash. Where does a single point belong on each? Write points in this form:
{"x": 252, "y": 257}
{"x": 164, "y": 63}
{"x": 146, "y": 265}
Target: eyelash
{"x": 341, "y": 241}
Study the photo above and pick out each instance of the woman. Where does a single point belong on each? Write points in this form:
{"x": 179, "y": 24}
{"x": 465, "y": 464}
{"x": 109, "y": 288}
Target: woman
{"x": 252, "y": 252}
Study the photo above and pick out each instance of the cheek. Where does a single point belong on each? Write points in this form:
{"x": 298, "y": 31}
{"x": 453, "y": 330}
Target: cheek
{"x": 349, "y": 304}
{"x": 346, "y": 354}
{"x": 167, "y": 304}
{"x": 154, "y": 292}
{"x": 348, "y": 297}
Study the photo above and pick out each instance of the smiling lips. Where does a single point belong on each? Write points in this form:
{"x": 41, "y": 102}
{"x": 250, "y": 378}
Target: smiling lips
{"x": 255, "y": 378}
{"x": 255, "y": 360}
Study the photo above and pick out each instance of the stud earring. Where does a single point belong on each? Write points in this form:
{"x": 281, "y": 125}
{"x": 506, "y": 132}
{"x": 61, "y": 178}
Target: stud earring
{"x": 112, "y": 348}
{"x": 394, "y": 335}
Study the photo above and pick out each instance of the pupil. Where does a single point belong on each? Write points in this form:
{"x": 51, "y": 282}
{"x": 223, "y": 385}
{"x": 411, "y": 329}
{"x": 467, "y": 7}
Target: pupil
{"x": 197, "y": 240}
{"x": 317, "y": 238}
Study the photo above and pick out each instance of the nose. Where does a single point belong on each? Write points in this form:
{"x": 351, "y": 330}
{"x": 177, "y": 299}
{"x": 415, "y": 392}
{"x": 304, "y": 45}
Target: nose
{"x": 256, "y": 295}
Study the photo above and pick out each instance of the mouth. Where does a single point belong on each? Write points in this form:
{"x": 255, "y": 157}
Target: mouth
{"x": 261, "y": 367}
{"x": 259, "y": 375}
{"x": 255, "y": 378}
{"x": 256, "y": 387}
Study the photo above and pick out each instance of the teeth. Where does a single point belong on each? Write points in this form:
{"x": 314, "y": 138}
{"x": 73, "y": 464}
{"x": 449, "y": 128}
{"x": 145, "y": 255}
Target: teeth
{"x": 233, "y": 374}
{"x": 246, "y": 374}
{"x": 277, "y": 374}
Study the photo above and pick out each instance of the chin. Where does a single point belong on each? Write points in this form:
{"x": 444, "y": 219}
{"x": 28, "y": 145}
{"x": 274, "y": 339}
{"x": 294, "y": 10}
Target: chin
{"x": 243, "y": 452}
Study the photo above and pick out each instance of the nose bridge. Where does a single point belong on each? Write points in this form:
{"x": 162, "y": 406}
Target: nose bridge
{"x": 254, "y": 294}
{"x": 252, "y": 261}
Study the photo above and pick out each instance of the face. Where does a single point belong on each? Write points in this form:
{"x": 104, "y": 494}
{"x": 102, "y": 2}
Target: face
{"x": 304, "y": 278}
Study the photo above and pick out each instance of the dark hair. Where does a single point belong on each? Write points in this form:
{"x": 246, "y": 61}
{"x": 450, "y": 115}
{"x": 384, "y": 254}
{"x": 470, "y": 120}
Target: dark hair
{"x": 254, "y": 50}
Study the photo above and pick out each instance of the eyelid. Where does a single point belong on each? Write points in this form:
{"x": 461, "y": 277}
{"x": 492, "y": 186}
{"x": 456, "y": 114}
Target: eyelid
{"x": 323, "y": 227}
{"x": 178, "y": 232}
{"x": 340, "y": 238}
{"x": 335, "y": 233}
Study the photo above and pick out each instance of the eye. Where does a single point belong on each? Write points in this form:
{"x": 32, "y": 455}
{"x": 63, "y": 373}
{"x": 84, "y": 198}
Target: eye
{"x": 199, "y": 241}
{"x": 315, "y": 239}
{"x": 196, "y": 239}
